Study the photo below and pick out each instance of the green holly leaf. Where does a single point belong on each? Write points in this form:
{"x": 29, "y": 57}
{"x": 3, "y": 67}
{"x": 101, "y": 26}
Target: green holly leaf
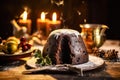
{"x": 37, "y": 53}
{"x": 42, "y": 61}
{"x": 48, "y": 60}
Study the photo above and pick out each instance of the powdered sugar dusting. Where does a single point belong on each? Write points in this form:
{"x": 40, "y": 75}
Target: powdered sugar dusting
{"x": 64, "y": 31}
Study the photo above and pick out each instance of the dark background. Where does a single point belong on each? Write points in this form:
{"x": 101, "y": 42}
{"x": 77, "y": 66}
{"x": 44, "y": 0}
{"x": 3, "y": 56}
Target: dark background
{"x": 74, "y": 12}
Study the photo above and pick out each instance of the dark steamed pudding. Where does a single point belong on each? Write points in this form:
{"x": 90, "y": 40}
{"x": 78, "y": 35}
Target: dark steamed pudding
{"x": 65, "y": 46}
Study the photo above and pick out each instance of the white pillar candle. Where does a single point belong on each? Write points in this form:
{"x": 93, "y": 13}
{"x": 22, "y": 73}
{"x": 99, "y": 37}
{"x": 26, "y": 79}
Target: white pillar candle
{"x": 42, "y": 24}
{"x": 25, "y": 22}
{"x": 54, "y": 24}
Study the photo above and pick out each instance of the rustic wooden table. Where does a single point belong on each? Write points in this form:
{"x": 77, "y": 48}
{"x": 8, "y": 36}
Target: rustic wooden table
{"x": 109, "y": 71}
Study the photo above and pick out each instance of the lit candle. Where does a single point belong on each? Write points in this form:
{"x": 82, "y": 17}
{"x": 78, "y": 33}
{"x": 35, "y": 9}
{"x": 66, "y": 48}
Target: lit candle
{"x": 42, "y": 24}
{"x": 43, "y": 16}
{"x": 54, "y": 17}
{"x": 25, "y": 22}
{"x": 54, "y": 24}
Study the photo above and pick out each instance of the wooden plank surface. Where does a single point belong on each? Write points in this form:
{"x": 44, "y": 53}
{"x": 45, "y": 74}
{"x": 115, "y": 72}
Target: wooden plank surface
{"x": 13, "y": 71}
{"x": 111, "y": 70}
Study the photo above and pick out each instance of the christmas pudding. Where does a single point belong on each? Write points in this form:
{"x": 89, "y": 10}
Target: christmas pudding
{"x": 65, "y": 46}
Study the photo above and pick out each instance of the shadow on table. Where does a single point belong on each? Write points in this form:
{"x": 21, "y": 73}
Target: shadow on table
{"x": 50, "y": 71}
{"x": 5, "y": 65}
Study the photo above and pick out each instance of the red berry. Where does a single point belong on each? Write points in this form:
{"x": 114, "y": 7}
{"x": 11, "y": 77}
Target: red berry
{"x": 28, "y": 45}
{"x": 24, "y": 48}
{"x": 23, "y": 39}
{"x": 22, "y": 44}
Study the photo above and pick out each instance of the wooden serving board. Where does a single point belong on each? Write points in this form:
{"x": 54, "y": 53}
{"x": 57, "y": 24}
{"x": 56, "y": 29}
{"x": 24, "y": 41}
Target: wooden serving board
{"x": 93, "y": 63}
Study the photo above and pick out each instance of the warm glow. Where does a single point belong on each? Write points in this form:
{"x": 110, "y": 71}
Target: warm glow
{"x": 24, "y": 15}
{"x": 97, "y": 31}
{"x": 54, "y": 17}
{"x": 98, "y": 39}
{"x": 42, "y": 16}
{"x": 87, "y": 26}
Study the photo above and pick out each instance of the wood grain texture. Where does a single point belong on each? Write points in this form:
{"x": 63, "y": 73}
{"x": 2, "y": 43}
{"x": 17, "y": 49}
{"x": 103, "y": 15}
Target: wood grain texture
{"x": 13, "y": 71}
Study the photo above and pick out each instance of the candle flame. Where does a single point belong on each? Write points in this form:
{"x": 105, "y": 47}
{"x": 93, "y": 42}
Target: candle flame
{"x": 42, "y": 16}
{"x": 54, "y": 17}
{"x": 24, "y": 15}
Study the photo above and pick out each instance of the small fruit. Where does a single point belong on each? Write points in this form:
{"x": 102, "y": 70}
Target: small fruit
{"x": 24, "y": 48}
{"x": 24, "y": 45}
{"x": 13, "y": 39}
{"x": 23, "y": 39}
{"x": 10, "y": 47}
{"x": 29, "y": 46}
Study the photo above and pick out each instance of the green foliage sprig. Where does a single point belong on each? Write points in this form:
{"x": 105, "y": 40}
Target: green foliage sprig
{"x": 42, "y": 61}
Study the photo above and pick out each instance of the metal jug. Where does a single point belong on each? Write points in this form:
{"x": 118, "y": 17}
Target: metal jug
{"x": 93, "y": 35}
